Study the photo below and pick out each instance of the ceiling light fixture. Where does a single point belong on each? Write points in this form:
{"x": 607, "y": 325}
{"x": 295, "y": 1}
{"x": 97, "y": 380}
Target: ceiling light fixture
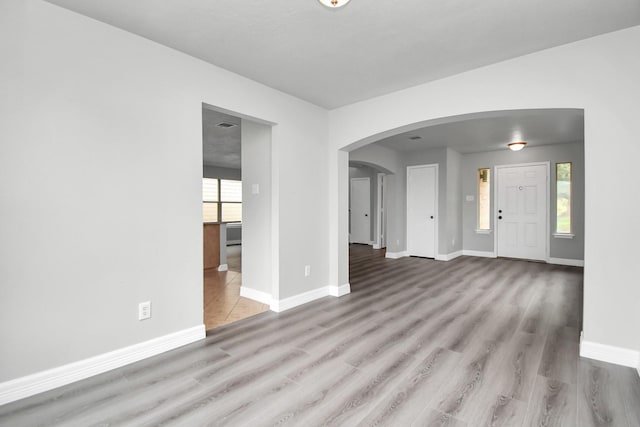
{"x": 333, "y": 4}
{"x": 517, "y": 146}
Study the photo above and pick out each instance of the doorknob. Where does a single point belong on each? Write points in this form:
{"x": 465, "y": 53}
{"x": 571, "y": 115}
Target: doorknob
{"x": 500, "y": 217}
{"x": 431, "y": 217}
{"x": 366, "y": 214}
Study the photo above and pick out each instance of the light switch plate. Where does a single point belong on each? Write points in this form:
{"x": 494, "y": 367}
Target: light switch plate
{"x": 255, "y": 188}
{"x": 144, "y": 310}
{"x": 470, "y": 198}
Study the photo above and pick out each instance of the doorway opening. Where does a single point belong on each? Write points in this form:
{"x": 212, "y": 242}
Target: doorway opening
{"x": 223, "y": 214}
{"x": 367, "y": 204}
{"x": 477, "y": 181}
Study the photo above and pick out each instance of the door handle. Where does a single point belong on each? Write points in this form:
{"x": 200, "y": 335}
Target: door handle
{"x": 500, "y": 217}
{"x": 366, "y": 214}
{"x": 431, "y": 217}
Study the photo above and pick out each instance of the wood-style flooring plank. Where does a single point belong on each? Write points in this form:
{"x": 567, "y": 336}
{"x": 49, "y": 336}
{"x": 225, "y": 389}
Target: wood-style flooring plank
{"x": 552, "y": 404}
{"x": 469, "y": 342}
{"x": 600, "y": 400}
{"x": 358, "y": 398}
{"x": 405, "y": 403}
{"x": 519, "y": 371}
{"x": 431, "y": 418}
{"x": 560, "y": 355}
{"x": 628, "y": 379}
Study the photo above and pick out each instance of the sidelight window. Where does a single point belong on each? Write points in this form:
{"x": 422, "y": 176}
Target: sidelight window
{"x": 563, "y": 198}
{"x": 484, "y": 199}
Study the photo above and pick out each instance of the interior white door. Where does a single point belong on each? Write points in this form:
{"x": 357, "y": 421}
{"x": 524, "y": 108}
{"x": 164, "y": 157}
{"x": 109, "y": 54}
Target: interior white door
{"x": 522, "y": 212}
{"x": 360, "y": 210}
{"x": 421, "y": 210}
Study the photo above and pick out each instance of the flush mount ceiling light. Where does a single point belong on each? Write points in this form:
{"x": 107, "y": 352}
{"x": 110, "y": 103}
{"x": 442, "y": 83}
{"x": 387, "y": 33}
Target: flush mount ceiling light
{"x": 517, "y": 146}
{"x": 334, "y": 4}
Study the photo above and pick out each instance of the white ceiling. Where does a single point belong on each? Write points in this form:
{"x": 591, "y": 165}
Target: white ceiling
{"x": 369, "y": 47}
{"x": 494, "y": 130}
{"x": 220, "y": 146}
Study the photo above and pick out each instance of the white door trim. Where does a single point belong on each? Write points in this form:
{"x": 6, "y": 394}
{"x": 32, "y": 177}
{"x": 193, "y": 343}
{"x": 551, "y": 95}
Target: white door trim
{"x": 436, "y": 208}
{"x": 377, "y": 242}
{"x": 547, "y": 213}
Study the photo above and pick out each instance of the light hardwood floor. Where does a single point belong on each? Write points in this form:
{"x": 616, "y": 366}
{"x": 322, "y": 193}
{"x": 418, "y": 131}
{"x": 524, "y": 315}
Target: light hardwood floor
{"x": 469, "y": 342}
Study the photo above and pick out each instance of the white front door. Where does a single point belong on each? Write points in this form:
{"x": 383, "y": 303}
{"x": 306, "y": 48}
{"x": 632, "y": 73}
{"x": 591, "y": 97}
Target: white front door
{"x": 421, "y": 210}
{"x": 360, "y": 206}
{"x": 521, "y": 211}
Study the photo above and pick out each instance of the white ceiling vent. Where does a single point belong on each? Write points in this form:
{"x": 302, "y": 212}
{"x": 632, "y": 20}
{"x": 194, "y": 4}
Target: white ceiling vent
{"x": 415, "y": 138}
{"x": 226, "y": 125}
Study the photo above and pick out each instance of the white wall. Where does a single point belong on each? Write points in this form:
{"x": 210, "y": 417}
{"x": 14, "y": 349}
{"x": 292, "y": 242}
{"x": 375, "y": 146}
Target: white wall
{"x": 600, "y": 75}
{"x": 453, "y": 229}
{"x": 257, "y": 263}
{"x": 100, "y": 177}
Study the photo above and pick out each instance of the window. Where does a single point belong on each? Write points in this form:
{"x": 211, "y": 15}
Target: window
{"x": 563, "y": 198}
{"x": 222, "y": 200}
{"x": 209, "y": 200}
{"x": 231, "y": 198}
{"x": 484, "y": 199}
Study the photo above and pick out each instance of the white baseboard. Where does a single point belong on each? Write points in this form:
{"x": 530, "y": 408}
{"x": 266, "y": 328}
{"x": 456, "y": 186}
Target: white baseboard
{"x": 376, "y": 246}
{"x": 40, "y": 382}
{"x": 396, "y": 255}
{"x": 338, "y": 291}
{"x": 565, "y": 261}
{"x": 483, "y": 254}
{"x": 223, "y": 267}
{"x": 255, "y": 295}
{"x": 296, "y": 300}
{"x": 610, "y": 354}
{"x": 234, "y": 242}
{"x": 449, "y": 257}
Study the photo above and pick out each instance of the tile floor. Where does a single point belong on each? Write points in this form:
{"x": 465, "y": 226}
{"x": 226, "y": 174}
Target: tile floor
{"x": 222, "y": 301}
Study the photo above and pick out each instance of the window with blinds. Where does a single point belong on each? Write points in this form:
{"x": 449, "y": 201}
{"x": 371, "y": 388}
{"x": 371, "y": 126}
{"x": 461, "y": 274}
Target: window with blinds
{"x": 221, "y": 200}
{"x": 231, "y": 200}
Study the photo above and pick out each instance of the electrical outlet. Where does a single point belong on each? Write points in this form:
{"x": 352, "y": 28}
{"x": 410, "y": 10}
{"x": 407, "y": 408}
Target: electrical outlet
{"x": 307, "y": 270}
{"x": 144, "y": 310}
